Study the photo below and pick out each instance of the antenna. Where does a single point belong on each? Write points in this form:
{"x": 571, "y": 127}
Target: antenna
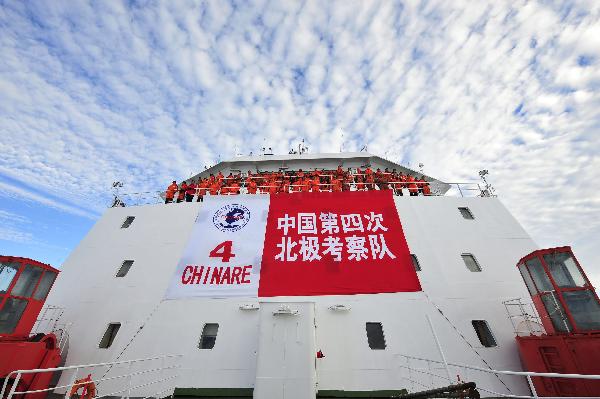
{"x": 302, "y": 148}
{"x": 489, "y": 190}
{"x": 116, "y": 185}
{"x": 342, "y": 143}
{"x": 364, "y": 148}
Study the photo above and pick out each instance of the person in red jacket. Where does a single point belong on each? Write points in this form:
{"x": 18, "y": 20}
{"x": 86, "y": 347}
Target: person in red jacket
{"x": 181, "y": 193}
{"x": 426, "y": 188}
{"x": 251, "y": 186}
{"x": 285, "y": 188}
{"x": 315, "y": 184}
{"x": 370, "y": 181}
{"x": 346, "y": 182}
{"x": 359, "y": 179}
{"x": 224, "y": 188}
{"x": 214, "y": 188}
{"x": 170, "y": 193}
{"x": 190, "y": 191}
{"x": 202, "y": 186}
{"x": 412, "y": 186}
{"x": 397, "y": 182}
{"x": 273, "y": 186}
{"x": 305, "y": 185}
{"x": 378, "y": 178}
{"x": 234, "y": 188}
{"x": 336, "y": 185}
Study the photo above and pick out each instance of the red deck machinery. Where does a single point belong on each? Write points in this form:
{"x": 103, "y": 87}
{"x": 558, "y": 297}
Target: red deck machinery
{"x": 24, "y": 285}
{"x": 570, "y": 313}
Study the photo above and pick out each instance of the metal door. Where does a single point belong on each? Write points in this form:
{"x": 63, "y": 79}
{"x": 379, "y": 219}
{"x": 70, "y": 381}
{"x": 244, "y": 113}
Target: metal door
{"x": 286, "y": 351}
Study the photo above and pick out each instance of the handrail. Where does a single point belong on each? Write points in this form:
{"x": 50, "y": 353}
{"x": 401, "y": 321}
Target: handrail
{"x": 509, "y": 372}
{"x": 17, "y": 375}
{"x": 29, "y": 371}
{"x": 464, "y": 189}
{"x": 529, "y": 375}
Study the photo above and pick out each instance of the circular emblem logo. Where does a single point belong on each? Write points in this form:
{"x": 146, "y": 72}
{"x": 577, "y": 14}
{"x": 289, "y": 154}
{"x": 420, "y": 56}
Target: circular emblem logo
{"x": 231, "y": 217}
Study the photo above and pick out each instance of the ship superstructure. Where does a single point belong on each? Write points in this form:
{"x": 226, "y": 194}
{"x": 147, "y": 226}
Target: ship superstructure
{"x": 127, "y": 288}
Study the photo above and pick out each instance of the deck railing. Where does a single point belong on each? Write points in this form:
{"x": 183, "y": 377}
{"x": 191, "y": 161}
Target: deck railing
{"x": 50, "y": 321}
{"x": 425, "y": 374}
{"x": 464, "y": 189}
{"x": 152, "y": 377}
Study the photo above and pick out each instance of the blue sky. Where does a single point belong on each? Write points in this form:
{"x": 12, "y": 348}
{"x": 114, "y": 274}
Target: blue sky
{"x": 150, "y": 91}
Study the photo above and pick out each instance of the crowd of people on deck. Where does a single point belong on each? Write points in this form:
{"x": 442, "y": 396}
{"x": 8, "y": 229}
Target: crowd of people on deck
{"x": 297, "y": 181}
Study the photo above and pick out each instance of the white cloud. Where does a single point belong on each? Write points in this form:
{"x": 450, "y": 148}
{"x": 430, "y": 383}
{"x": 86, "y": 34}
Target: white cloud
{"x": 97, "y": 92}
{"x": 11, "y": 227}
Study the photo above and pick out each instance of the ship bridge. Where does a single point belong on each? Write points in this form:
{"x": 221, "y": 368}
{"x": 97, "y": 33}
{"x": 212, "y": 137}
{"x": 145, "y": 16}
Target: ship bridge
{"x": 308, "y": 162}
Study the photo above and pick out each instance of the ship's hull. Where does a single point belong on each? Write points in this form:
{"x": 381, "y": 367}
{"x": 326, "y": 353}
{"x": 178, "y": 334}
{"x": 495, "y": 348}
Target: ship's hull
{"x": 258, "y": 349}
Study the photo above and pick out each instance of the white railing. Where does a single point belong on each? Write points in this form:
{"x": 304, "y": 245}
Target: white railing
{"x": 456, "y": 190}
{"x": 152, "y": 377}
{"x": 523, "y": 317}
{"x": 526, "y": 321}
{"x": 49, "y": 321}
{"x": 421, "y": 373}
{"x": 466, "y": 190}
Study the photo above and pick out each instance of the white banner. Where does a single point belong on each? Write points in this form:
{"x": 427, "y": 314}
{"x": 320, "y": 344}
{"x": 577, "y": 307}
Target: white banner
{"x": 224, "y": 252}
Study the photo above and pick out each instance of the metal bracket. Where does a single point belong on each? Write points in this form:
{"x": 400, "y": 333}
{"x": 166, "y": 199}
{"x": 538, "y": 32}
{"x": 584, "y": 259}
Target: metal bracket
{"x": 285, "y": 310}
{"x": 340, "y": 308}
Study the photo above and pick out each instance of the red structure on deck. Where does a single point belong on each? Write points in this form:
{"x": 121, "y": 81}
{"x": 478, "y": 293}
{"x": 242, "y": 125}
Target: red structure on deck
{"x": 570, "y": 312}
{"x": 24, "y": 286}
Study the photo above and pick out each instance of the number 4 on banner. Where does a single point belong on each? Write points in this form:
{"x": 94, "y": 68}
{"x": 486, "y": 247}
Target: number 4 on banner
{"x": 223, "y": 251}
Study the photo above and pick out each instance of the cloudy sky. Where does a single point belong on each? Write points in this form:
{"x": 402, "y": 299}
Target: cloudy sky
{"x": 146, "y": 92}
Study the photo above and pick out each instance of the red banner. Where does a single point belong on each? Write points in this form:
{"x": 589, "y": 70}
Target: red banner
{"x": 335, "y": 244}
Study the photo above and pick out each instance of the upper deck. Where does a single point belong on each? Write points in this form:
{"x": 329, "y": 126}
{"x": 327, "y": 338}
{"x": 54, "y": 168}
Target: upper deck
{"x": 309, "y": 162}
{"x": 269, "y": 173}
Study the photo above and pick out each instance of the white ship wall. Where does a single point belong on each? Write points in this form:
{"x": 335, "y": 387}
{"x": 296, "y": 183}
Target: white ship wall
{"x": 435, "y": 231}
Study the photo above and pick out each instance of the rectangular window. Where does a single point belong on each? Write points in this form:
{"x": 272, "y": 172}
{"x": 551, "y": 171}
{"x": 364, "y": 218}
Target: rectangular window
{"x": 45, "y": 285}
{"x": 564, "y": 270}
{"x": 11, "y": 313}
{"x": 471, "y": 262}
{"x": 109, "y": 335}
{"x": 540, "y": 278}
{"x": 466, "y": 213}
{"x": 127, "y": 222}
{"x": 375, "y": 335}
{"x": 527, "y": 279}
{"x": 8, "y": 271}
{"x": 209, "y": 336}
{"x": 124, "y": 269}
{"x": 556, "y": 312}
{"x": 484, "y": 333}
{"x": 415, "y": 262}
{"x": 584, "y": 308}
{"x": 27, "y": 281}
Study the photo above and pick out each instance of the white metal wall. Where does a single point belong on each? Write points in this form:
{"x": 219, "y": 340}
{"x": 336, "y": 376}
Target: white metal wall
{"x": 435, "y": 231}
